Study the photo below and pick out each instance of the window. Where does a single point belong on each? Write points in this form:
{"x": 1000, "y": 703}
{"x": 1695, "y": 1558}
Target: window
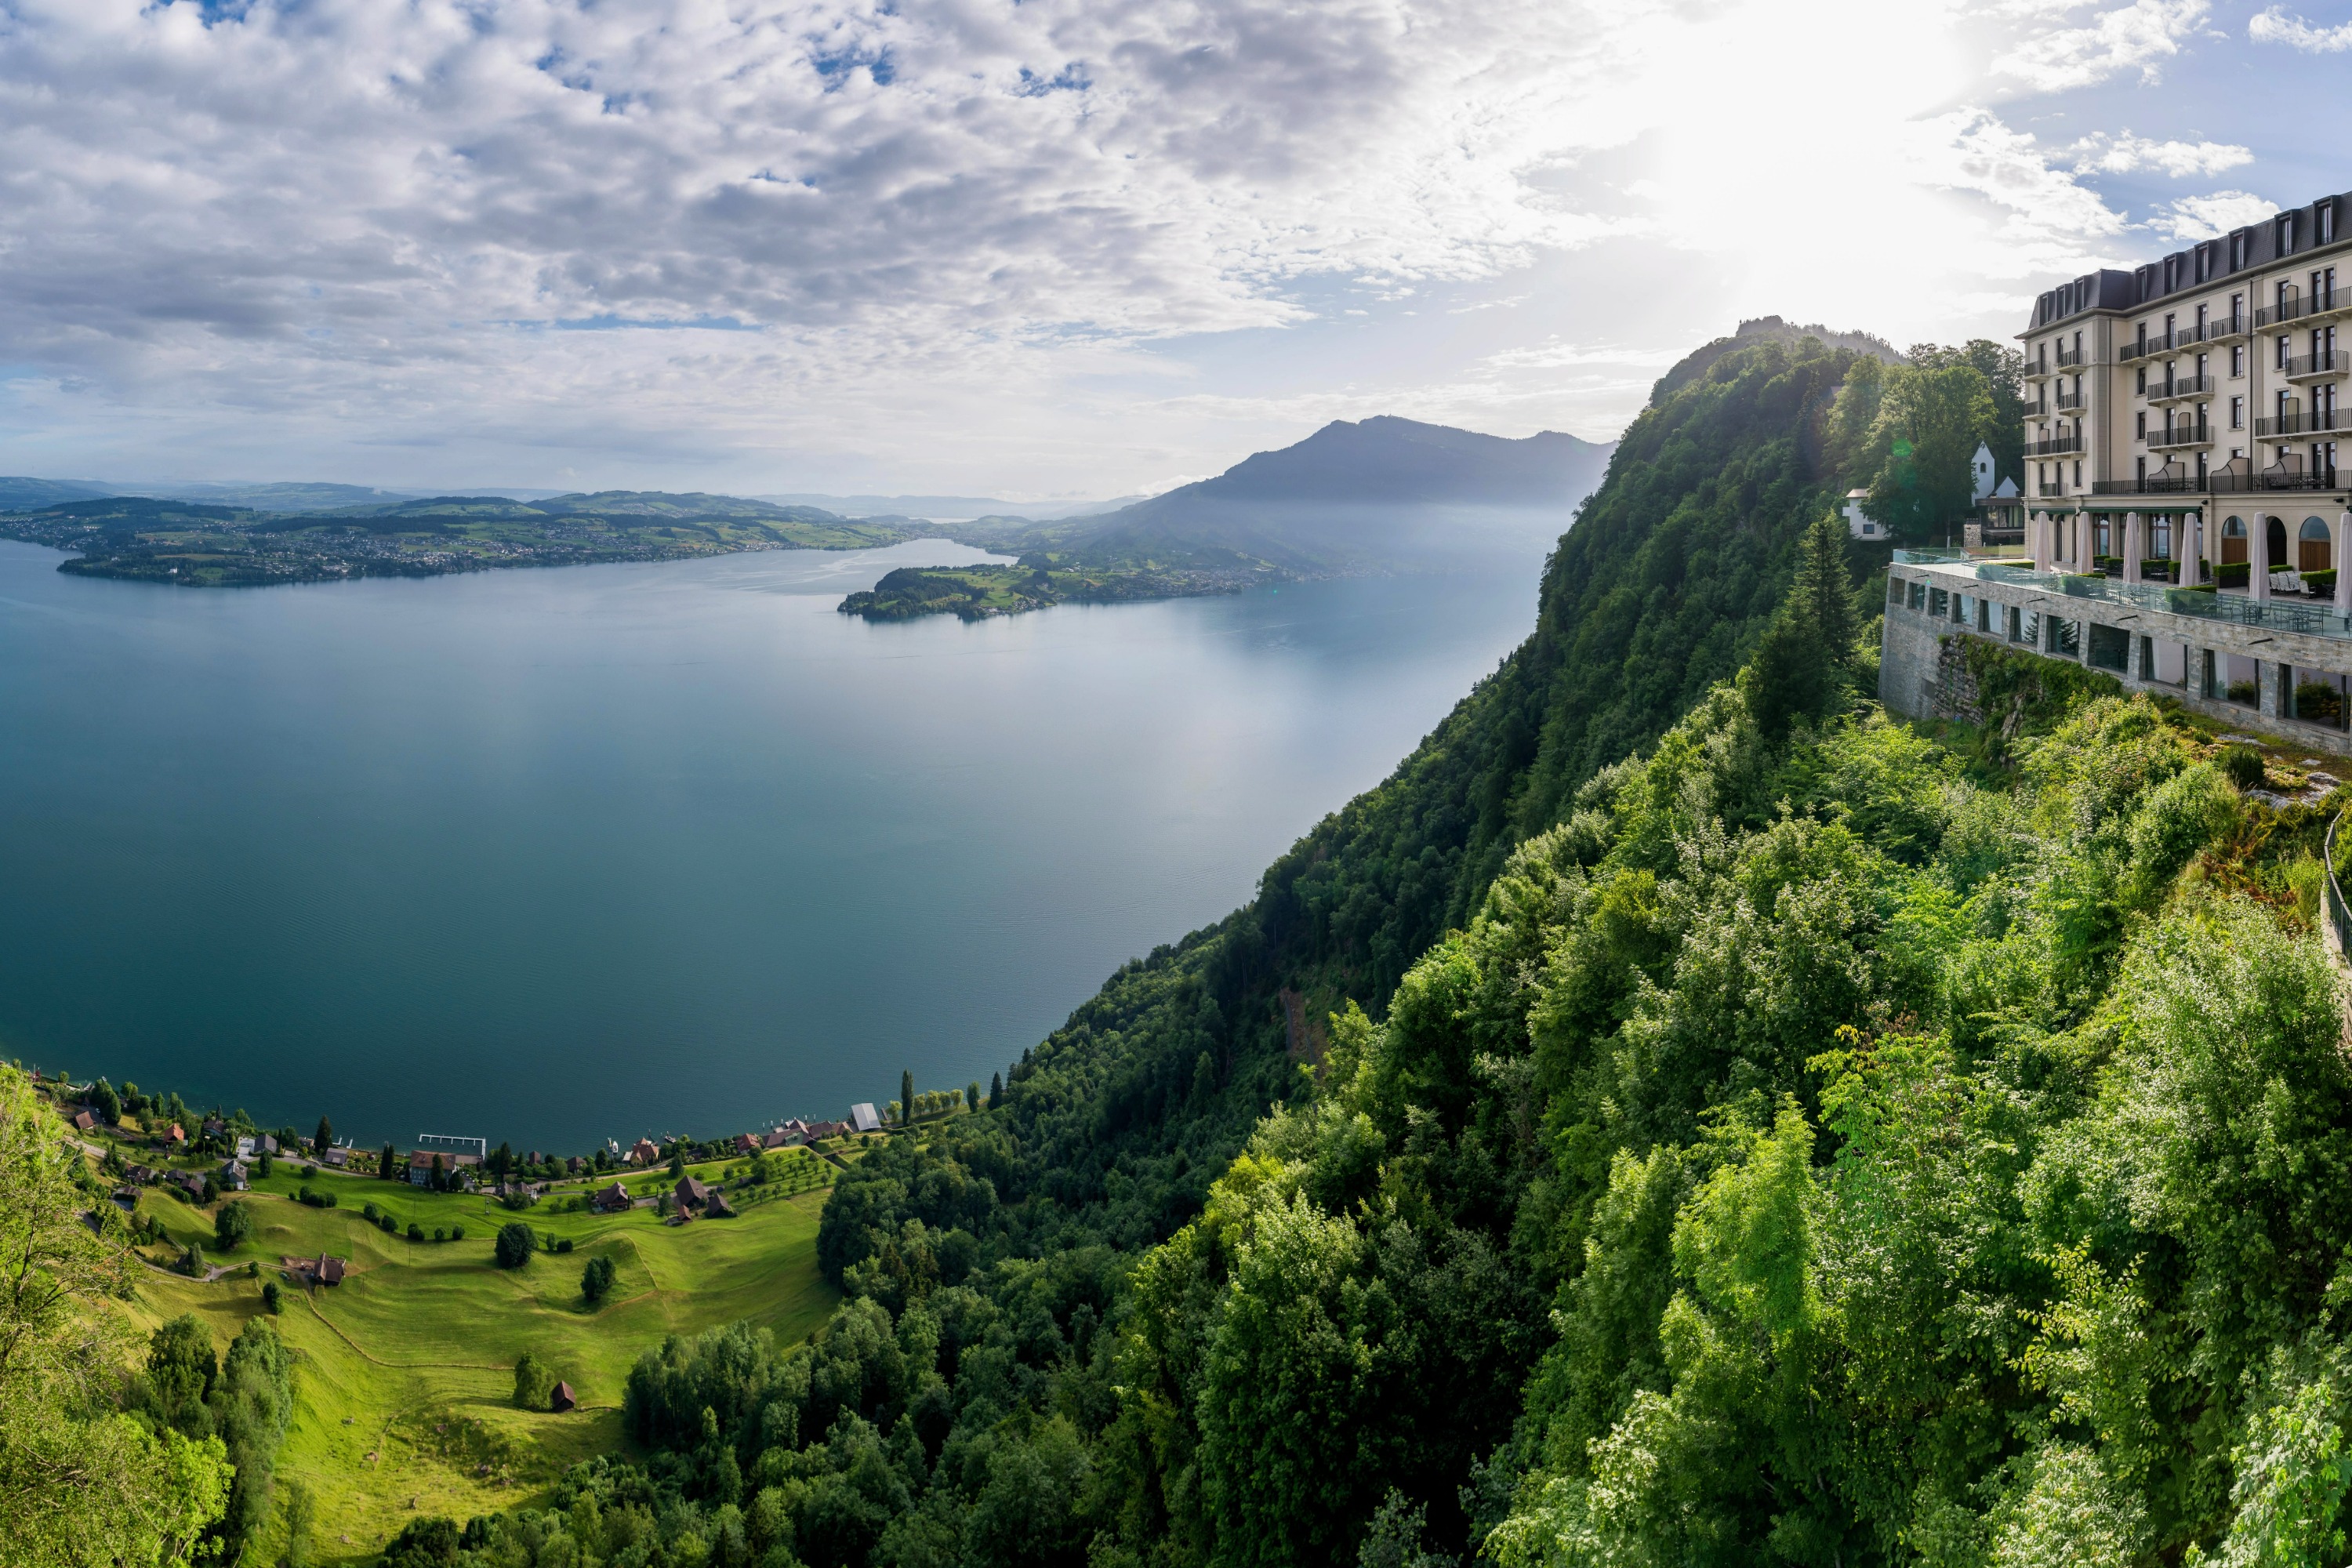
{"x": 2140, "y": 384}
{"x": 2286, "y": 233}
{"x": 1919, "y": 594}
{"x": 2204, "y": 261}
{"x": 2324, "y": 224}
{"x": 1984, "y": 616}
{"x": 1939, "y": 603}
{"x": 1962, "y": 608}
{"x": 2067, "y": 637}
{"x": 2078, "y": 471}
{"x": 1894, "y": 590}
{"x": 2237, "y": 302}
{"x": 2238, "y": 358}
{"x": 2204, "y": 362}
{"x": 2285, "y": 350}
{"x": 2025, "y": 626}
{"x": 2237, "y": 413}
{"x": 2140, "y": 420}
{"x": 2237, "y": 259}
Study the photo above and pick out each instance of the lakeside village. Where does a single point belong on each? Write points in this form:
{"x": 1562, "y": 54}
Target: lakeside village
{"x": 156, "y": 1140}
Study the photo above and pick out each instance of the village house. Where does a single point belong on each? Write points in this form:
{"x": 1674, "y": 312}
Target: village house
{"x": 563, "y": 1399}
{"x": 783, "y": 1137}
{"x": 232, "y": 1176}
{"x": 84, "y": 1121}
{"x": 576, "y": 1165}
{"x": 339, "y": 1158}
{"x": 863, "y": 1118}
{"x": 319, "y": 1271}
{"x": 644, "y": 1152}
{"x": 718, "y": 1206}
{"x": 814, "y": 1131}
{"x": 174, "y": 1135}
{"x": 460, "y": 1166}
{"x": 746, "y": 1145}
{"x": 613, "y": 1199}
{"x": 691, "y": 1194}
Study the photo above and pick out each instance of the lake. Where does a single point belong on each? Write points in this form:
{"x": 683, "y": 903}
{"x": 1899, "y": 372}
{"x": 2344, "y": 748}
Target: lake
{"x": 553, "y": 856}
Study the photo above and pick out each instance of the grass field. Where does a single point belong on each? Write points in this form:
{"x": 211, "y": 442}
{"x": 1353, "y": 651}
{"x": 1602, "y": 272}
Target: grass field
{"x": 405, "y": 1371}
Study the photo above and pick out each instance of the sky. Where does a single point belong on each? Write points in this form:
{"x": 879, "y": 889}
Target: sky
{"x": 1049, "y": 249}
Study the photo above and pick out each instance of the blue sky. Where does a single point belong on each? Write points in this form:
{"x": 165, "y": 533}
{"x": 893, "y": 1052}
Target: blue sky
{"x": 1051, "y": 249}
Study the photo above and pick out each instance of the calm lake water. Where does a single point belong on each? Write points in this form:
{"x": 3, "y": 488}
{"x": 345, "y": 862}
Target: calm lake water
{"x": 555, "y": 856}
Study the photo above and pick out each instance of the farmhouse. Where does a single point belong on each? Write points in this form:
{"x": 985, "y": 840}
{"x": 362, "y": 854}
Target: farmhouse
{"x": 613, "y": 1199}
{"x": 644, "y": 1152}
{"x": 84, "y": 1121}
{"x": 563, "y": 1399}
{"x": 232, "y": 1176}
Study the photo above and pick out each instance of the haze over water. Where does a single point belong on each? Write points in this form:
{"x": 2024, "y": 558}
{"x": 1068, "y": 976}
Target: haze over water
{"x": 553, "y": 856}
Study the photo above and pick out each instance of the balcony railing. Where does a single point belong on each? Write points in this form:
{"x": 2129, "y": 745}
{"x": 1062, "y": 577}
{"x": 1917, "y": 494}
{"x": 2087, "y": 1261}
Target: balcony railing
{"x": 2058, "y": 447}
{"x": 2037, "y": 370}
{"x": 2182, "y": 338}
{"x": 2069, "y": 358}
{"x": 2070, "y": 401}
{"x": 2296, "y": 307}
{"x": 2180, "y": 387}
{"x": 2227, "y": 480}
{"x": 2317, "y": 423}
{"x": 2161, "y": 438}
{"x": 2051, "y": 489}
{"x": 2037, "y": 410}
{"x": 2270, "y": 615}
{"x": 2312, "y": 367}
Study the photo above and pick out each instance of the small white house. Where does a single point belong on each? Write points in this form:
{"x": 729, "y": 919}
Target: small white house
{"x": 1859, "y": 523}
{"x": 1981, "y": 473}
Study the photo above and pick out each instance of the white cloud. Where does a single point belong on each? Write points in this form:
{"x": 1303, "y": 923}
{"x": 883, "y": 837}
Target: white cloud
{"x": 2202, "y": 217}
{"x": 2126, "y": 154}
{"x": 2141, "y": 37}
{"x": 2275, "y": 26}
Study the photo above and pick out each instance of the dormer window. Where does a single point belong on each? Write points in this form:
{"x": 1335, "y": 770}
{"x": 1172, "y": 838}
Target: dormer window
{"x": 2286, "y": 233}
{"x": 2323, "y": 223}
{"x": 2238, "y": 251}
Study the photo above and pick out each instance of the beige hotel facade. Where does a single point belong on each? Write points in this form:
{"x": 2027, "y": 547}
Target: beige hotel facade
{"x": 2185, "y": 512}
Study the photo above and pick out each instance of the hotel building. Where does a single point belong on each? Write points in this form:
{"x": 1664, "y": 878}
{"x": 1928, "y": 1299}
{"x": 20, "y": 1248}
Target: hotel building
{"x": 2184, "y": 512}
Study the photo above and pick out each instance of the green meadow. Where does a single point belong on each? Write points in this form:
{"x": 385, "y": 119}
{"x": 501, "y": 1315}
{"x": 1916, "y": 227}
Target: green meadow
{"x": 404, "y": 1371}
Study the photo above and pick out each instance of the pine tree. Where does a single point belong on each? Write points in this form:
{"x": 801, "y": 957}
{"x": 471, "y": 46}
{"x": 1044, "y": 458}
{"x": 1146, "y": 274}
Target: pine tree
{"x": 384, "y": 1164}
{"x": 906, "y": 1098}
{"x": 324, "y": 1139}
{"x": 1822, "y": 595}
{"x": 995, "y": 1087}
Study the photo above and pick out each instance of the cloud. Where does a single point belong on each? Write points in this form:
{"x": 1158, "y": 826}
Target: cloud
{"x": 2141, "y": 37}
{"x": 2126, "y": 154}
{"x": 2202, "y": 217}
{"x": 2275, "y": 26}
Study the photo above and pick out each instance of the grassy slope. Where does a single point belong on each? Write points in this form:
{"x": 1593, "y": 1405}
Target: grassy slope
{"x": 411, "y": 1358}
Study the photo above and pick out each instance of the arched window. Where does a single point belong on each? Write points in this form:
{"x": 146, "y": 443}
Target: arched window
{"x": 2274, "y": 539}
{"x": 2312, "y": 546}
{"x": 2233, "y": 539}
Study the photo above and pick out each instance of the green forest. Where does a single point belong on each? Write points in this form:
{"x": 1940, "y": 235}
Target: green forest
{"x": 1682, "y": 1115}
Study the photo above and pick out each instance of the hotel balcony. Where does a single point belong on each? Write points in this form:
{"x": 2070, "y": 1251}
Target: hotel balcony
{"x": 2305, "y": 307}
{"x": 2064, "y": 446}
{"x": 2068, "y": 359}
{"x": 2070, "y": 401}
{"x": 2179, "y": 390}
{"x": 2318, "y": 367}
{"x": 2037, "y": 410}
{"x": 2179, "y": 437}
{"x": 2036, "y": 370}
{"x": 2182, "y": 338}
{"x": 2232, "y": 478}
{"x": 2326, "y": 421}
{"x": 2051, "y": 489}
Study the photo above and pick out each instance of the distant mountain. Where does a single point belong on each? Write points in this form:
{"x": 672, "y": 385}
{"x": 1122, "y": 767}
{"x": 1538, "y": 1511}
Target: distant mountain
{"x": 1383, "y": 491}
{"x": 1765, "y": 329}
{"x": 19, "y": 494}
{"x": 296, "y": 495}
{"x": 955, "y": 508}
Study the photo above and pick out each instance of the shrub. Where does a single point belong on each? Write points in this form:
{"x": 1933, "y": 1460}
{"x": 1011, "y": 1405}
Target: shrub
{"x": 272, "y": 1297}
{"x": 2318, "y": 702}
{"x": 597, "y": 1281}
{"x": 439, "y": 1234}
{"x": 2319, "y": 582}
{"x": 515, "y": 1245}
{"x": 563, "y": 1246}
{"x": 2244, "y": 692}
{"x": 232, "y": 1227}
{"x": 534, "y": 1383}
{"x": 456, "y": 1232}
{"x": 389, "y": 1224}
{"x": 416, "y": 1231}
{"x": 370, "y": 1210}
{"x": 2243, "y": 765}
{"x": 2230, "y": 574}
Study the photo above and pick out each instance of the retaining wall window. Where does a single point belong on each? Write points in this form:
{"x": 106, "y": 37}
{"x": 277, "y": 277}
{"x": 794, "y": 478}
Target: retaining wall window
{"x": 2110, "y": 647}
{"x": 2065, "y": 637}
{"x": 1984, "y": 617}
{"x": 1918, "y": 594}
{"x": 1895, "y": 591}
{"x": 1939, "y": 603}
{"x": 2025, "y": 626}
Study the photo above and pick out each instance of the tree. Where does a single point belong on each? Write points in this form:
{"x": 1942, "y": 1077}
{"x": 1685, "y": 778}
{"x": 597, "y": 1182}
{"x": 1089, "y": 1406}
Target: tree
{"x": 106, "y": 1103}
{"x": 677, "y": 1159}
{"x": 995, "y": 1088}
{"x": 502, "y": 1161}
{"x": 440, "y": 1183}
{"x": 324, "y": 1138}
{"x": 232, "y": 1227}
{"x": 387, "y": 1164}
{"x": 2003, "y": 368}
{"x": 907, "y": 1097}
{"x": 80, "y": 1482}
{"x": 515, "y": 1245}
{"x": 971, "y": 1095}
{"x": 1921, "y": 446}
{"x": 597, "y": 1281}
{"x": 533, "y": 1382}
